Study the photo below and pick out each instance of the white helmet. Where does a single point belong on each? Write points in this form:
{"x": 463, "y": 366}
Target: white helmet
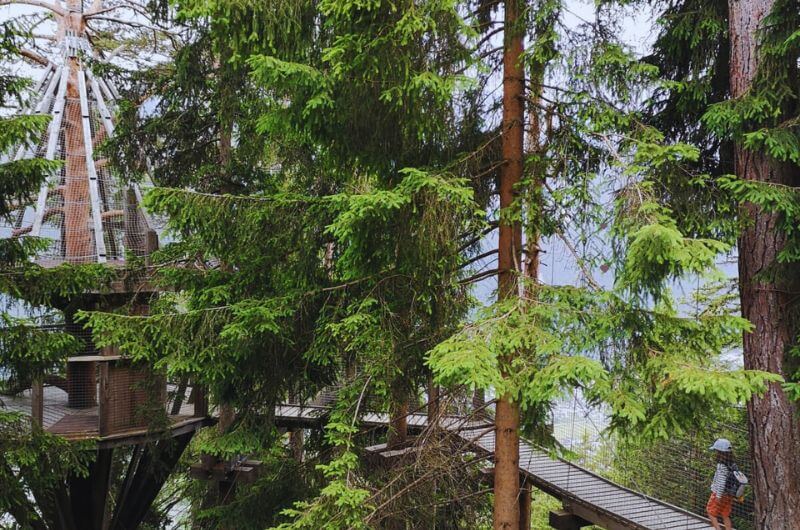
{"x": 722, "y": 445}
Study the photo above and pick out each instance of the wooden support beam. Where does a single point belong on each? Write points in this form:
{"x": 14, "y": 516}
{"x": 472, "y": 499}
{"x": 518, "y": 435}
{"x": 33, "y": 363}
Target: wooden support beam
{"x": 104, "y": 402}
{"x": 593, "y": 516}
{"x": 151, "y": 471}
{"x": 564, "y": 520}
{"x": 525, "y": 506}
{"x": 386, "y": 456}
{"x": 87, "y": 494}
{"x": 152, "y": 241}
{"x": 200, "y": 401}
{"x": 245, "y": 472}
{"x": 180, "y": 393}
{"x": 296, "y": 443}
{"x": 95, "y": 200}
{"x": 37, "y": 403}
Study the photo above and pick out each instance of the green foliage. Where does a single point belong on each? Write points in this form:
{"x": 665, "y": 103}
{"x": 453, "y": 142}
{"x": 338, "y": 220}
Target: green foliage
{"x": 657, "y": 252}
{"x": 692, "y": 55}
{"x": 342, "y": 503}
{"x": 343, "y": 156}
{"x": 772, "y": 198}
{"x": 38, "y": 285}
{"x": 32, "y": 461}
{"x": 653, "y": 367}
{"x": 27, "y": 351}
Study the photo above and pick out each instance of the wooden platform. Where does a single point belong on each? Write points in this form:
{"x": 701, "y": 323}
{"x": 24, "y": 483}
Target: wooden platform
{"x": 83, "y": 424}
{"x": 582, "y": 492}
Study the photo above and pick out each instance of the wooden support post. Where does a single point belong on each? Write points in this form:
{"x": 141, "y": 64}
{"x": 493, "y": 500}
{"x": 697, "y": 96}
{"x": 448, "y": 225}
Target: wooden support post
{"x": 524, "y": 506}
{"x": 296, "y": 443}
{"x": 200, "y": 401}
{"x": 398, "y": 423}
{"x": 37, "y": 402}
{"x": 152, "y": 468}
{"x": 433, "y": 401}
{"x": 104, "y": 409}
{"x": 151, "y": 241}
{"x": 133, "y": 240}
{"x": 180, "y": 393}
{"x": 87, "y": 495}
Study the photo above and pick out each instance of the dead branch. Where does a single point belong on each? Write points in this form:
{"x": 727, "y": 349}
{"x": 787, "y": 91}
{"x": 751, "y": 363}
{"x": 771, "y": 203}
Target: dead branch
{"x": 34, "y": 57}
{"x": 96, "y": 11}
{"x": 36, "y": 3}
{"x": 480, "y": 276}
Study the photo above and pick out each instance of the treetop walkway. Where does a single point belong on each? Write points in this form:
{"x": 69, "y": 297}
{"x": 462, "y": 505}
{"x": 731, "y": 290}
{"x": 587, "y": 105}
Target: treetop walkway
{"x": 587, "y": 497}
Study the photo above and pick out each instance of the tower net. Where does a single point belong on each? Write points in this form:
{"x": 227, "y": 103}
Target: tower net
{"x": 85, "y": 212}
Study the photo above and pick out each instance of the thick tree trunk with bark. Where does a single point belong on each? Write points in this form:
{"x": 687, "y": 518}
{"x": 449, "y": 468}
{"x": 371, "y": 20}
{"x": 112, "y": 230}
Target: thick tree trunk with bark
{"x": 506, "y": 478}
{"x": 769, "y": 296}
{"x": 76, "y": 237}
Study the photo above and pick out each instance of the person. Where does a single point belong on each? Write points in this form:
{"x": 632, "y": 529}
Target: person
{"x": 720, "y": 503}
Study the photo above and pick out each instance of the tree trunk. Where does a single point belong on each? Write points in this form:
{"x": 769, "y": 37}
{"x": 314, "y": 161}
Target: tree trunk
{"x": 76, "y": 236}
{"x": 768, "y": 293}
{"x": 398, "y": 423}
{"x": 506, "y": 480}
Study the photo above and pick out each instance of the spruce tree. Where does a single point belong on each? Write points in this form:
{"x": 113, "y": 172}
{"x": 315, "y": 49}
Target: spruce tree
{"x": 370, "y": 176}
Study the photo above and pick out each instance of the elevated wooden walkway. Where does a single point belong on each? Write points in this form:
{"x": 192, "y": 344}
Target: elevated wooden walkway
{"x": 587, "y": 497}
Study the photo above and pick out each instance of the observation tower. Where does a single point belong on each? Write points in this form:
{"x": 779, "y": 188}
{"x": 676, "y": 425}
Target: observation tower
{"x": 137, "y": 420}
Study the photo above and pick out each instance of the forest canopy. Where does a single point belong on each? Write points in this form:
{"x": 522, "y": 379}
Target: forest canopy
{"x": 477, "y": 209}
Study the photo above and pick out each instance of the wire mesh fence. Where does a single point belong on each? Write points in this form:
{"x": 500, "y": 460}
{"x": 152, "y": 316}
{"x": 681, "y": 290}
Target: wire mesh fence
{"x": 678, "y": 470}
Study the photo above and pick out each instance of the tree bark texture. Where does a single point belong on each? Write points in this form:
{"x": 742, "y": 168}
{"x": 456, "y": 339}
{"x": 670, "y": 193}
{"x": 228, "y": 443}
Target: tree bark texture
{"x": 506, "y": 514}
{"x": 769, "y": 296}
{"x": 77, "y": 236}
{"x": 398, "y": 424}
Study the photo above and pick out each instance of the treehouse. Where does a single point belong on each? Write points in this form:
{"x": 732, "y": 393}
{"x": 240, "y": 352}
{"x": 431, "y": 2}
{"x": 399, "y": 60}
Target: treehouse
{"x": 89, "y": 216}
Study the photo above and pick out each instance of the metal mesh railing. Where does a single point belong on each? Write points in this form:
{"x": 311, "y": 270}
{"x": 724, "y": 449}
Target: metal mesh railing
{"x": 678, "y": 470}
